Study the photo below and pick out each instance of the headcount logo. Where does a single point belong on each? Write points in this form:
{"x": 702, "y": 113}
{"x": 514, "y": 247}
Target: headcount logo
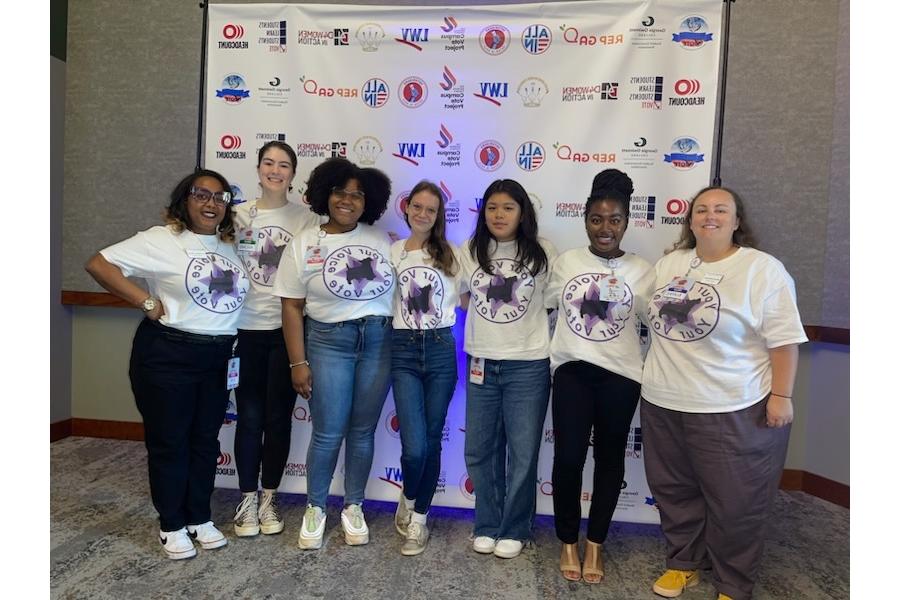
{"x": 233, "y": 35}
{"x": 536, "y": 39}
{"x": 693, "y": 33}
{"x": 273, "y": 35}
{"x": 687, "y": 93}
{"x": 452, "y": 92}
{"x": 453, "y": 36}
{"x": 676, "y": 209}
{"x": 648, "y": 90}
{"x": 229, "y": 148}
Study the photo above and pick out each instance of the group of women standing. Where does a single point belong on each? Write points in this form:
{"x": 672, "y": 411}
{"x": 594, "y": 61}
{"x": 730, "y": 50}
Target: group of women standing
{"x": 335, "y": 312}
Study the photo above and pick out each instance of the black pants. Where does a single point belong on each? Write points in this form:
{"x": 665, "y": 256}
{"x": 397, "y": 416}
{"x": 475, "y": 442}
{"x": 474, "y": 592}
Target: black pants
{"x": 265, "y": 406}
{"x": 586, "y": 396}
{"x": 178, "y": 381}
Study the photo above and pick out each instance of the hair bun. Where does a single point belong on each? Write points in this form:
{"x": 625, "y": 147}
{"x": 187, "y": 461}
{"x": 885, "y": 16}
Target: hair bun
{"x": 611, "y": 179}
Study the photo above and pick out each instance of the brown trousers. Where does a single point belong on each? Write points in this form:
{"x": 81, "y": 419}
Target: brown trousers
{"x": 714, "y": 477}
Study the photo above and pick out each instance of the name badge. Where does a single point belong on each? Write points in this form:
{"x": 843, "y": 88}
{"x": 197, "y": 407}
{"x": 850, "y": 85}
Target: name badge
{"x": 678, "y": 288}
{"x": 712, "y": 278}
{"x": 198, "y": 253}
{"x": 476, "y": 370}
{"x": 612, "y": 289}
{"x": 247, "y": 244}
{"x": 314, "y": 256}
{"x": 234, "y": 373}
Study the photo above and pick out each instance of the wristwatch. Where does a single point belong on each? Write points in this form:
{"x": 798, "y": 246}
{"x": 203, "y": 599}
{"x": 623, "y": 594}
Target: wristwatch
{"x": 149, "y": 304}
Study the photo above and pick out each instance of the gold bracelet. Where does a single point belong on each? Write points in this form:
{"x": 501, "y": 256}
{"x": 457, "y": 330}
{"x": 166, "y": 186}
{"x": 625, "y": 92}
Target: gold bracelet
{"x": 306, "y": 362}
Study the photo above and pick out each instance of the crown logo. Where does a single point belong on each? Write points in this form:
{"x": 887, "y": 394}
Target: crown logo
{"x": 370, "y": 36}
{"x": 532, "y": 91}
{"x": 367, "y": 150}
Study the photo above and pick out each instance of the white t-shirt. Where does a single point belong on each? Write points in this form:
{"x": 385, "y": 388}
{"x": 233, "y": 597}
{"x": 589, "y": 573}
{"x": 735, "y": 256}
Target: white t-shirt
{"x": 343, "y": 276}
{"x": 506, "y": 318}
{"x": 272, "y": 229}
{"x": 198, "y": 278}
{"x": 597, "y": 325}
{"x": 426, "y": 297}
{"x": 710, "y": 349}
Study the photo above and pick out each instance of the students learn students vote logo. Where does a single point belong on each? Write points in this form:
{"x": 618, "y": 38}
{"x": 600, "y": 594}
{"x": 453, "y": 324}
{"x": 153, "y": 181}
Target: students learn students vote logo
{"x": 262, "y": 263}
{"x": 357, "y": 273}
{"x": 688, "y": 319}
{"x": 590, "y": 317}
{"x": 502, "y": 296}
{"x": 421, "y": 297}
{"x": 216, "y": 283}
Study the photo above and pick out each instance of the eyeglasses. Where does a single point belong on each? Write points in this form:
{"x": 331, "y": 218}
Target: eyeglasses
{"x": 203, "y": 195}
{"x": 343, "y": 194}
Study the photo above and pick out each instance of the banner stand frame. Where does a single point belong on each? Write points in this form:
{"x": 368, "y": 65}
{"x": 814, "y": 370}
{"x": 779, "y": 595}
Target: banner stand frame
{"x": 204, "y": 6}
{"x": 723, "y": 76}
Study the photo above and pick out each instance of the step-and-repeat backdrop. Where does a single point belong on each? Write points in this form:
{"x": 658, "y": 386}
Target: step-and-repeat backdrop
{"x": 546, "y": 94}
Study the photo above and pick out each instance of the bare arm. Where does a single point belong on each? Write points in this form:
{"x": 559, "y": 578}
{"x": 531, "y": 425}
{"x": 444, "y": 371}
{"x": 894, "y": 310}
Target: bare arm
{"x": 110, "y": 277}
{"x": 292, "y": 327}
{"x": 780, "y": 408}
{"x": 464, "y": 301}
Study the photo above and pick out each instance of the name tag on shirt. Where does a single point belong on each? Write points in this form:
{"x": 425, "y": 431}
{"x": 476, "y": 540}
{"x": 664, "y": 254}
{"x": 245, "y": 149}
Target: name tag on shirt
{"x": 198, "y": 253}
{"x": 247, "y": 245}
{"x": 612, "y": 289}
{"x": 314, "y": 257}
{"x": 712, "y": 278}
{"x": 234, "y": 373}
{"x": 476, "y": 371}
{"x": 678, "y": 288}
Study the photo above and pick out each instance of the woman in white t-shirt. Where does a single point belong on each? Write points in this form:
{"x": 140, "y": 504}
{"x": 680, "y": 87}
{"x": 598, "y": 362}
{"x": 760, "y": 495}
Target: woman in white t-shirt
{"x": 423, "y": 355}
{"x": 596, "y": 360}
{"x": 505, "y": 268}
{"x": 266, "y": 396}
{"x": 340, "y": 273}
{"x": 717, "y": 383}
{"x": 180, "y": 359}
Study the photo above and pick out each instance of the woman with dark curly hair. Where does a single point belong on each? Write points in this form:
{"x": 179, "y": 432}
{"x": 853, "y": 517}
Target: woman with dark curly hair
{"x": 340, "y": 273}
{"x": 179, "y": 359}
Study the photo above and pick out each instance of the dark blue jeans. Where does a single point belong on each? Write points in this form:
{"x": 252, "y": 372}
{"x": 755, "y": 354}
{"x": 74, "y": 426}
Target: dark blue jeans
{"x": 423, "y": 367}
{"x": 504, "y": 420}
{"x": 265, "y": 403}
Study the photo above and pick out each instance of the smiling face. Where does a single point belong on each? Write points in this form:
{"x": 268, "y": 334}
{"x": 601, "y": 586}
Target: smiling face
{"x": 205, "y": 214}
{"x": 714, "y": 218}
{"x": 605, "y": 224}
{"x": 346, "y": 205}
{"x": 421, "y": 212}
{"x": 275, "y": 171}
{"x": 502, "y": 216}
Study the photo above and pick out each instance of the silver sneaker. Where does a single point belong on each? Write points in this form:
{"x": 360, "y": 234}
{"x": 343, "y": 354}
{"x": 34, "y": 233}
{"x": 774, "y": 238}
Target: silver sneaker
{"x": 416, "y": 539}
{"x": 270, "y": 520}
{"x": 356, "y": 532}
{"x": 403, "y": 515}
{"x": 246, "y": 520}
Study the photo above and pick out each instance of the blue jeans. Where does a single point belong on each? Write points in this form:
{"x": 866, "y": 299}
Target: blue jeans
{"x": 504, "y": 420}
{"x": 423, "y": 367}
{"x": 350, "y": 363}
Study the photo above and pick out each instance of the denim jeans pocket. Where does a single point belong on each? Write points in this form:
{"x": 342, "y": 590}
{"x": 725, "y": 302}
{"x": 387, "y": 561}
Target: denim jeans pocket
{"x": 320, "y": 328}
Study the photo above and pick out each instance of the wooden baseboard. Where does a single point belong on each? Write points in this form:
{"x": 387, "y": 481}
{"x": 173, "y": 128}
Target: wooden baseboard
{"x": 816, "y": 485}
{"x": 792, "y": 479}
{"x": 117, "y": 430}
{"x": 60, "y": 429}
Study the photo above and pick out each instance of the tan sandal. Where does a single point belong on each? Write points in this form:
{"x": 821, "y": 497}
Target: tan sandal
{"x": 568, "y": 562}
{"x": 593, "y": 563}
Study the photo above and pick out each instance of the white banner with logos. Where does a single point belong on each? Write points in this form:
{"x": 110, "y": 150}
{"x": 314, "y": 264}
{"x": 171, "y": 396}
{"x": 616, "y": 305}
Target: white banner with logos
{"x": 546, "y": 94}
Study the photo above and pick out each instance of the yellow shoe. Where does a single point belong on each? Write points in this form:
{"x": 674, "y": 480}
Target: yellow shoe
{"x": 673, "y": 582}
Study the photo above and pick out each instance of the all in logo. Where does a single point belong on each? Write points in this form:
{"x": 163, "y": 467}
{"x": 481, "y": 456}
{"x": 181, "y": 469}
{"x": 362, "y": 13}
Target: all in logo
{"x": 493, "y": 91}
{"x": 536, "y": 39}
{"x": 413, "y": 92}
{"x": 392, "y": 426}
{"x": 532, "y": 91}
{"x": 234, "y": 89}
{"x": 685, "y": 154}
{"x": 230, "y": 148}
{"x": 489, "y": 155}
{"x": 688, "y": 91}
{"x": 411, "y": 152}
{"x": 504, "y": 295}
{"x": 216, "y": 284}
{"x": 413, "y": 37}
{"x": 494, "y": 39}
{"x": 370, "y": 36}
{"x": 421, "y": 297}
{"x": 357, "y": 273}
{"x": 467, "y": 488}
{"x": 233, "y": 34}
{"x": 587, "y": 315}
{"x": 686, "y": 320}
{"x": 677, "y": 208}
{"x": 530, "y": 156}
{"x": 693, "y": 33}
{"x": 262, "y": 263}
{"x": 393, "y": 476}
{"x": 375, "y": 93}
{"x": 367, "y": 150}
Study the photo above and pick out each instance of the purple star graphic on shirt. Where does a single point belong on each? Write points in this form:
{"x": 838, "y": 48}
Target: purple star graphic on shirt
{"x": 360, "y": 273}
{"x": 501, "y": 290}
{"x": 592, "y": 309}
{"x": 418, "y": 302}
{"x": 268, "y": 257}
{"x": 221, "y": 283}
{"x": 680, "y": 312}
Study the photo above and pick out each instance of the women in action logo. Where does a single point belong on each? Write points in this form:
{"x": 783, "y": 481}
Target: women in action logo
{"x": 502, "y": 296}
{"x": 688, "y": 319}
{"x": 421, "y": 297}
{"x": 216, "y": 284}
{"x": 357, "y": 273}
{"x": 590, "y": 317}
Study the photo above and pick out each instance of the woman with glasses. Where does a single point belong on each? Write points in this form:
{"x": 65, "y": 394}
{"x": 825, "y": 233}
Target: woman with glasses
{"x": 266, "y": 397}
{"x": 340, "y": 274}
{"x": 182, "y": 351}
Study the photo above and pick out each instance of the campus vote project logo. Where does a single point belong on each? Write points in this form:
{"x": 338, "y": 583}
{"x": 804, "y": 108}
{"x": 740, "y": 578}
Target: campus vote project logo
{"x": 262, "y": 263}
{"x": 689, "y": 319}
{"x": 504, "y": 295}
{"x": 587, "y": 315}
{"x": 216, "y": 283}
{"x": 357, "y": 273}
{"x": 421, "y": 297}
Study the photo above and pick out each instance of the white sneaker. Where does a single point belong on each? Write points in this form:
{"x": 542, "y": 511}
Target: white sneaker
{"x": 508, "y": 548}
{"x": 416, "y": 538}
{"x": 177, "y": 544}
{"x": 207, "y": 534}
{"x": 484, "y": 544}
{"x": 356, "y": 532}
{"x": 270, "y": 520}
{"x": 403, "y": 515}
{"x": 312, "y": 529}
{"x": 246, "y": 522}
